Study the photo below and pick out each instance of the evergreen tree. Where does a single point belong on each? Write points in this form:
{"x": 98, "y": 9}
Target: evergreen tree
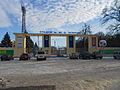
{"x": 36, "y": 46}
{"x": 29, "y": 44}
{"x": 35, "y": 49}
{"x": 6, "y": 42}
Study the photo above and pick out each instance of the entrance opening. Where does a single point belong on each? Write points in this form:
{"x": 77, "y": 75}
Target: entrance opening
{"x": 33, "y": 44}
{"x": 81, "y": 44}
{"x": 58, "y": 46}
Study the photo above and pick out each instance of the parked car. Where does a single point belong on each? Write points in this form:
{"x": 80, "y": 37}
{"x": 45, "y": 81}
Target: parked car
{"x": 96, "y": 55}
{"x": 116, "y": 55}
{"x": 41, "y": 55}
{"x": 74, "y": 56}
{"x": 24, "y": 56}
{"x": 85, "y": 55}
{"x": 6, "y": 57}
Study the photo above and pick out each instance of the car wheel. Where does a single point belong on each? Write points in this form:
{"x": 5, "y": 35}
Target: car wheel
{"x": 115, "y": 58}
{"x": 100, "y": 57}
{"x": 84, "y": 58}
{"x": 38, "y": 59}
{"x": 88, "y": 57}
{"x": 44, "y": 58}
{"x": 94, "y": 58}
{"x": 1, "y": 59}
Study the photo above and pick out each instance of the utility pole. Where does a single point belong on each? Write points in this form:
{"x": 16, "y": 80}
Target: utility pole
{"x": 38, "y": 41}
{"x": 24, "y": 24}
{"x": 54, "y": 43}
{"x": 23, "y": 19}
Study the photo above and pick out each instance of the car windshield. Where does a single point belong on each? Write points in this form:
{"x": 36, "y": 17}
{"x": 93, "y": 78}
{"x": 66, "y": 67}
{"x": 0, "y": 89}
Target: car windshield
{"x": 41, "y": 52}
{"x": 73, "y": 53}
{"x": 116, "y": 52}
{"x": 25, "y": 54}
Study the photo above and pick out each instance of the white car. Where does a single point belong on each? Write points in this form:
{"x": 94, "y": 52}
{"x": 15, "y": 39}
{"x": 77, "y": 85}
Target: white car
{"x": 41, "y": 55}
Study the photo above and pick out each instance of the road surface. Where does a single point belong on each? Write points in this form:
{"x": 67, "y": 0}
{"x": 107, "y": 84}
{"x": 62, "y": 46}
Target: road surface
{"x": 65, "y": 74}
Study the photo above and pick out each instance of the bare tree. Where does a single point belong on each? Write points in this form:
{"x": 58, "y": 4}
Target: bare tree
{"x": 86, "y": 30}
{"x": 112, "y": 13}
{"x": 100, "y": 35}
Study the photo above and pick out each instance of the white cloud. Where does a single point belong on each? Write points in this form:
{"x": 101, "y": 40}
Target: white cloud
{"x": 7, "y": 8}
{"x": 4, "y": 21}
{"x": 56, "y": 14}
{"x": 52, "y": 13}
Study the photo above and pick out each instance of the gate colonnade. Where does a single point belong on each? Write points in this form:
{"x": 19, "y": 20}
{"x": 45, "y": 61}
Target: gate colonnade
{"x": 20, "y": 42}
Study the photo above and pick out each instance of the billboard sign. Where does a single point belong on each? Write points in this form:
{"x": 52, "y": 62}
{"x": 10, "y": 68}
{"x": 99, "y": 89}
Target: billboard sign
{"x": 58, "y": 32}
{"x": 20, "y": 41}
{"x": 6, "y": 52}
{"x": 71, "y": 42}
{"x": 93, "y": 41}
{"x": 46, "y": 41}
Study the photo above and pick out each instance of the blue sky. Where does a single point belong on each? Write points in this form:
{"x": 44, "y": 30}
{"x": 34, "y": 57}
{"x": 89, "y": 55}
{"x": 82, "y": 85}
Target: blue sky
{"x": 61, "y": 15}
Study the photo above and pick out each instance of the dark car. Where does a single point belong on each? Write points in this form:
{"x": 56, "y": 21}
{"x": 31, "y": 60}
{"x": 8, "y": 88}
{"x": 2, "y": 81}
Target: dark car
{"x": 6, "y": 57}
{"x": 116, "y": 55}
{"x": 74, "y": 56}
{"x": 25, "y": 56}
{"x": 85, "y": 55}
{"x": 96, "y": 55}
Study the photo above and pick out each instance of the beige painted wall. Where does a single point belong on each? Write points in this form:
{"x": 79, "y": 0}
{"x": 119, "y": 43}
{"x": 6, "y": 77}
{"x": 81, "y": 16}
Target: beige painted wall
{"x": 90, "y": 47}
{"x": 19, "y": 51}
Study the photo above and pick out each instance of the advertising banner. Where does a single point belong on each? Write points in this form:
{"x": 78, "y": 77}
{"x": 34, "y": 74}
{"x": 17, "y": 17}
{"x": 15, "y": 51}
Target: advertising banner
{"x": 46, "y": 41}
{"x": 93, "y": 41}
{"x": 71, "y": 42}
{"x": 20, "y": 42}
{"x": 7, "y": 52}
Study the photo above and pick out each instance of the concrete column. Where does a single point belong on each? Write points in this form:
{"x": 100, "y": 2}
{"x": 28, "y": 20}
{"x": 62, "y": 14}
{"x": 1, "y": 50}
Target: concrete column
{"x": 90, "y": 44}
{"x": 24, "y": 46}
{"x": 97, "y": 43}
{"x": 90, "y": 47}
